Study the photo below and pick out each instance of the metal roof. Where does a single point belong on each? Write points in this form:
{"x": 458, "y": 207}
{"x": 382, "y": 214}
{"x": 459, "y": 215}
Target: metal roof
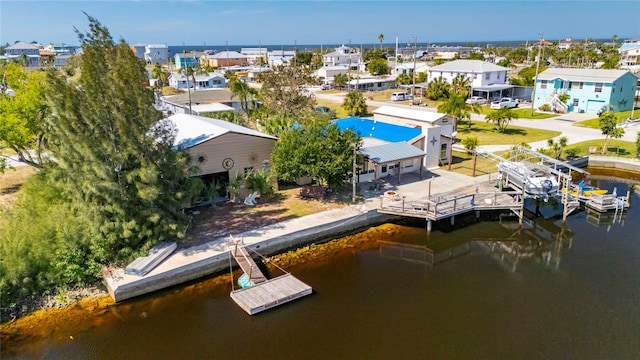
{"x": 21, "y": 45}
{"x": 392, "y": 152}
{"x": 228, "y": 54}
{"x": 408, "y": 113}
{"x": 494, "y": 87}
{"x": 468, "y": 66}
{"x": 200, "y": 96}
{"x": 368, "y": 128}
{"x": 213, "y": 107}
{"x": 192, "y": 130}
{"x": 586, "y": 75}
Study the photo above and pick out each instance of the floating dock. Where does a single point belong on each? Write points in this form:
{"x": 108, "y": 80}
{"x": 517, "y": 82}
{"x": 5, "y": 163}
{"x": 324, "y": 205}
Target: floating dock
{"x": 264, "y": 294}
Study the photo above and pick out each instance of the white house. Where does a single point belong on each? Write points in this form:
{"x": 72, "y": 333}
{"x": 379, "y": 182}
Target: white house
{"x": 280, "y": 57}
{"x": 156, "y": 53}
{"x": 254, "y": 54}
{"x": 481, "y": 73}
{"x": 342, "y": 55}
{"x": 436, "y": 128}
{"x": 139, "y": 50}
{"x": 567, "y": 43}
{"x": 202, "y": 81}
{"x": 629, "y": 55}
{"x": 327, "y": 73}
{"x": 372, "y": 83}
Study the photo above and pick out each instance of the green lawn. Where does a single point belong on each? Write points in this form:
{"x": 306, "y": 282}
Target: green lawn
{"x": 488, "y": 135}
{"x": 622, "y": 116}
{"x": 620, "y": 148}
{"x": 522, "y": 113}
{"x": 462, "y": 163}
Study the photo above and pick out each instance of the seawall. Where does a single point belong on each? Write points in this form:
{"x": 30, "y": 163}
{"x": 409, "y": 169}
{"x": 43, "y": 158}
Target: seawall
{"x": 212, "y": 257}
{"x": 608, "y": 162}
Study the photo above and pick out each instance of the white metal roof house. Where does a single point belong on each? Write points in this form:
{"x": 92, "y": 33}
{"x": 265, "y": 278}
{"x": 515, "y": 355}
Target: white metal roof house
{"x": 202, "y": 81}
{"x": 437, "y": 129}
{"x": 221, "y": 148}
{"x": 481, "y": 73}
{"x": 343, "y": 55}
{"x": 590, "y": 90}
{"x": 372, "y": 83}
{"x": 254, "y": 54}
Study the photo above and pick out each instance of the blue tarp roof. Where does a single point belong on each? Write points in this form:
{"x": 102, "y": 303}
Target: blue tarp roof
{"x": 377, "y": 129}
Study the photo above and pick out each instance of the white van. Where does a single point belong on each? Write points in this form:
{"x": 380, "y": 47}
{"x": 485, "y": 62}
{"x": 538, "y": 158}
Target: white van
{"x": 399, "y": 96}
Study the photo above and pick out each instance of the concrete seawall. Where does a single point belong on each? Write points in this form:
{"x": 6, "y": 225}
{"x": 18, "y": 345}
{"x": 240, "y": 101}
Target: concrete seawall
{"x": 608, "y": 162}
{"x": 206, "y": 259}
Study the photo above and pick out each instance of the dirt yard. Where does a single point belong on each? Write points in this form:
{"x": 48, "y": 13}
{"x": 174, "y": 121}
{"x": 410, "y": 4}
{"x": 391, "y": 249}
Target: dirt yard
{"x": 11, "y": 181}
{"x": 212, "y": 222}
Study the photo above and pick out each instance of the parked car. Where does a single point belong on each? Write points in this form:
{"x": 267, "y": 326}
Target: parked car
{"x": 505, "y": 102}
{"x": 399, "y": 96}
{"x": 476, "y": 100}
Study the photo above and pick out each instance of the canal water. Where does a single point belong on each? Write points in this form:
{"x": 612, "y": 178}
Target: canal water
{"x": 488, "y": 291}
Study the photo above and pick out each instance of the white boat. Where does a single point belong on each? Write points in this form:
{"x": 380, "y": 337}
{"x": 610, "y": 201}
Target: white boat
{"x": 534, "y": 182}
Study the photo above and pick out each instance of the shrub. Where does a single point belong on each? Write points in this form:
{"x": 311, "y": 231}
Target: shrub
{"x": 545, "y": 107}
{"x": 572, "y": 153}
{"x": 471, "y": 143}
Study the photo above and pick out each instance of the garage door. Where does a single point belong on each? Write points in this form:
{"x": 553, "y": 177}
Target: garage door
{"x": 593, "y": 106}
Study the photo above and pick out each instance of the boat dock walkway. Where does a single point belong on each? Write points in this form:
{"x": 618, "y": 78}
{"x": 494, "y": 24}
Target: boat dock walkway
{"x": 264, "y": 294}
{"x": 481, "y": 196}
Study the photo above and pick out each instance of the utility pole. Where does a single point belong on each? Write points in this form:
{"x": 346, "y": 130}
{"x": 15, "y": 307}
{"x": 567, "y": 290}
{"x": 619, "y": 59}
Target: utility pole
{"x": 355, "y": 176}
{"x": 415, "y": 55}
{"x": 349, "y": 69}
{"x": 535, "y": 81}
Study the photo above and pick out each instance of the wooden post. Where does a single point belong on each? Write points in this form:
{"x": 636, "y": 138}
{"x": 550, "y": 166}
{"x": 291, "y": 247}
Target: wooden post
{"x": 521, "y": 207}
{"x": 403, "y": 203}
{"x": 450, "y": 153}
{"x": 429, "y": 193}
{"x": 475, "y": 160}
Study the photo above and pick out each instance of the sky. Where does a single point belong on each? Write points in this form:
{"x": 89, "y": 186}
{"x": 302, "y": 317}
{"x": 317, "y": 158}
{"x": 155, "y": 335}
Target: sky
{"x": 202, "y": 22}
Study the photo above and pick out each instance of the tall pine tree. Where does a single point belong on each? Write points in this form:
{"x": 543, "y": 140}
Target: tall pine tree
{"x": 114, "y": 157}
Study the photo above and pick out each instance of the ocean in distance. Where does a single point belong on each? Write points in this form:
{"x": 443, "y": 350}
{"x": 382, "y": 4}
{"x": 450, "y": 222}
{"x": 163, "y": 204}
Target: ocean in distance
{"x": 174, "y": 49}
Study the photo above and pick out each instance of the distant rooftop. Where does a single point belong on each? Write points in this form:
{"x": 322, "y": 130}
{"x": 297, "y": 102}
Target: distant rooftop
{"x": 477, "y": 66}
{"x": 587, "y": 75}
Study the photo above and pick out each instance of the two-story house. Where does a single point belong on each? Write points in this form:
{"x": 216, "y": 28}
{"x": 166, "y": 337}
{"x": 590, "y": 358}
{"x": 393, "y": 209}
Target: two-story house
{"x": 23, "y": 52}
{"x": 589, "y": 90}
{"x": 156, "y": 53}
{"x": 487, "y": 79}
{"x": 342, "y": 55}
{"x": 190, "y": 59}
{"x": 280, "y": 57}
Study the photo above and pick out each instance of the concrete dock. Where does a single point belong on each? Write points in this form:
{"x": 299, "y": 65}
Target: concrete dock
{"x": 202, "y": 260}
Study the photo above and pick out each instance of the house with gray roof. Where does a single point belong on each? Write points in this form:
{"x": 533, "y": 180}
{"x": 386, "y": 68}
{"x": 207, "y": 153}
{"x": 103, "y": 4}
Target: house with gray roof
{"x": 22, "y": 50}
{"x": 202, "y": 81}
{"x": 589, "y": 90}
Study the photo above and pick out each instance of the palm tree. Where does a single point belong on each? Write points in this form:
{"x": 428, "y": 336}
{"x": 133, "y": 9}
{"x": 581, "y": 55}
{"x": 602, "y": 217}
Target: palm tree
{"x": 244, "y": 93}
{"x": 456, "y": 107}
{"x": 355, "y": 104}
{"x": 501, "y": 118}
{"x": 380, "y": 38}
{"x": 461, "y": 84}
{"x": 556, "y": 148}
{"x": 438, "y": 88}
{"x": 160, "y": 74}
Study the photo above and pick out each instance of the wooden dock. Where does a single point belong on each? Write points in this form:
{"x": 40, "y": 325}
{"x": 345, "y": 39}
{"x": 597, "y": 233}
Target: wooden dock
{"x": 459, "y": 201}
{"x": 270, "y": 293}
{"x": 265, "y": 293}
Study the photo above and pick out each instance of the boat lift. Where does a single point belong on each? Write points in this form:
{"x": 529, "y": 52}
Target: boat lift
{"x": 528, "y": 162}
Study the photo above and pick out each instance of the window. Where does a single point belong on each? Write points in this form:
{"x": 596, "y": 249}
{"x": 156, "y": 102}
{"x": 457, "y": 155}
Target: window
{"x": 576, "y": 101}
{"x": 543, "y": 84}
{"x": 598, "y": 87}
{"x": 487, "y": 76}
{"x": 384, "y": 169}
{"x": 576, "y": 85}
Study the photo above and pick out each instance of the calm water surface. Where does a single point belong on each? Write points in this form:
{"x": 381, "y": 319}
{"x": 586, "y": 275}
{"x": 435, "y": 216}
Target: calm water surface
{"x": 572, "y": 293}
